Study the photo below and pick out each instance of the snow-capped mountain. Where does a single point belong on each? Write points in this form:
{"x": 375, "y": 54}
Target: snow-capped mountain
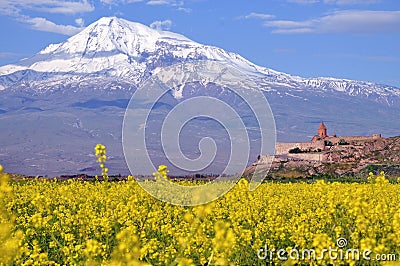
{"x": 57, "y": 105}
{"x": 117, "y": 48}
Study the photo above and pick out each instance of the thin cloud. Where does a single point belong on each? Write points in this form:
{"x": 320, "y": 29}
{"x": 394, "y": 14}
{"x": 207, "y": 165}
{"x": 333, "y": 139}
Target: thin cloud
{"x": 352, "y": 22}
{"x": 335, "y": 2}
{"x": 289, "y": 24}
{"x": 184, "y": 9}
{"x": 14, "y": 7}
{"x": 42, "y": 24}
{"x": 117, "y": 2}
{"x": 80, "y": 22}
{"x": 175, "y": 3}
{"x": 258, "y": 15}
{"x": 351, "y": 2}
{"x": 161, "y": 25}
{"x": 162, "y": 2}
{"x": 66, "y": 7}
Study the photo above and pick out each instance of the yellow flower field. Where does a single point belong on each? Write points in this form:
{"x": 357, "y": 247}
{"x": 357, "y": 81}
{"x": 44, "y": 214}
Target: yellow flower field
{"x": 48, "y": 222}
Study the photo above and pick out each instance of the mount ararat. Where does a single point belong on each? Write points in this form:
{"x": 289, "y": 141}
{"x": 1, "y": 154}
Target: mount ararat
{"x": 58, "y": 104}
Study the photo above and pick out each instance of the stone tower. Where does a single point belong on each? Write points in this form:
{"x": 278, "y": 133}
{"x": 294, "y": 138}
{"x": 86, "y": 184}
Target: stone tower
{"x": 322, "y": 131}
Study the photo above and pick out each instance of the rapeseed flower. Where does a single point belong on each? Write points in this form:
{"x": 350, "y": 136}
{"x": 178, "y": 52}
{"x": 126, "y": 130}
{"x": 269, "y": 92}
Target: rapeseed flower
{"x": 120, "y": 224}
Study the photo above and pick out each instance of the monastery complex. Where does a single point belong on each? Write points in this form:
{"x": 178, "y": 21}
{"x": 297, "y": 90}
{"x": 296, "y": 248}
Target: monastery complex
{"x": 319, "y": 144}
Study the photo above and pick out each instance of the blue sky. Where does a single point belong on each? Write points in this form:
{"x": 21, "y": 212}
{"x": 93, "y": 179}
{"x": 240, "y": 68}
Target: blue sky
{"x": 354, "y": 39}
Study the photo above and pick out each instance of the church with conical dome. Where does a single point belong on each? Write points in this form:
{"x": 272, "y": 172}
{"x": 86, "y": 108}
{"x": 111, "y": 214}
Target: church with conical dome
{"x": 322, "y": 133}
{"x": 322, "y": 130}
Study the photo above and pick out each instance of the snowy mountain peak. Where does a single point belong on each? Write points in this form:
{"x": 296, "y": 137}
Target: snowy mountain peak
{"x": 113, "y": 34}
{"x": 116, "y": 48}
{"x": 110, "y": 44}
